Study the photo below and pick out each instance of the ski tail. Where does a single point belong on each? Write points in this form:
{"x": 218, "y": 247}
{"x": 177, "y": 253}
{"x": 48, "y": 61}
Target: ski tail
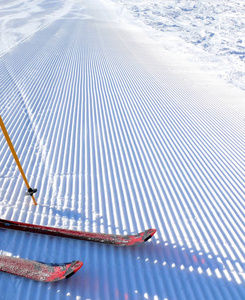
{"x": 37, "y": 270}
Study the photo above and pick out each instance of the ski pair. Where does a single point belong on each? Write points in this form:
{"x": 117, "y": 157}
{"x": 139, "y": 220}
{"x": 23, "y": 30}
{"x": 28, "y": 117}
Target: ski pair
{"x": 49, "y": 273}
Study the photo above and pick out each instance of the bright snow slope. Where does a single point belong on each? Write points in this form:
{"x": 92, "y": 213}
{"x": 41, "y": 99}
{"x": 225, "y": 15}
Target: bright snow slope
{"x": 118, "y": 135}
{"x": 209, "y": 32}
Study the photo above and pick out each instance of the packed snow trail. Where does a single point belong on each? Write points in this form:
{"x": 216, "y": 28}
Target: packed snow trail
{"x": 119, "y": 136}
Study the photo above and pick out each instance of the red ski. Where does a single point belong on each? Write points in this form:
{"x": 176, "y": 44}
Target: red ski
{"x": 112, "y": 239}
{"x": 37, "y": 270}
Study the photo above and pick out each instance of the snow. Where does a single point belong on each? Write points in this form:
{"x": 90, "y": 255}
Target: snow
{"x": 121, "y": 131}
{"x": 210, "y": 32}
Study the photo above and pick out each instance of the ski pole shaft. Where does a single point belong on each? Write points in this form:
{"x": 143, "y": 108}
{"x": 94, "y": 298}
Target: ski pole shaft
{"x": 15, "y": 156}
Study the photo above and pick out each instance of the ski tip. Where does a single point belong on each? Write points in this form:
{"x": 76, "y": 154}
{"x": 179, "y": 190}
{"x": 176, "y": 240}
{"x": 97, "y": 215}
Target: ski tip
{"x": 74, "y": 267}
{"x": 65, "y": 271}
{"x": 149, "y": 234}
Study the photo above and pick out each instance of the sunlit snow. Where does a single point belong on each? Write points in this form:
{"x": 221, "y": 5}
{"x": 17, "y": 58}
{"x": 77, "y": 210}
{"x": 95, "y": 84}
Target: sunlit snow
{"x": 125, "y": 115}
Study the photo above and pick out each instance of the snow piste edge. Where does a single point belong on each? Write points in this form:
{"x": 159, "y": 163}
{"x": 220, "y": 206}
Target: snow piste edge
{"x": 38, "y": 271}
{"x": 104, "y": 238}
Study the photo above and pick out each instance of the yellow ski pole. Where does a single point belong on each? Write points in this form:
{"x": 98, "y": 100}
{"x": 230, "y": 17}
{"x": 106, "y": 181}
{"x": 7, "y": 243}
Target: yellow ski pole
{"x": 30, "y": 191}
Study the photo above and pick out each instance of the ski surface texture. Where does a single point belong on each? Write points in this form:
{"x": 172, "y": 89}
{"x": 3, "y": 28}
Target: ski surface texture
{"x": 37, "y": 270}
{"x": 112, "y": 239}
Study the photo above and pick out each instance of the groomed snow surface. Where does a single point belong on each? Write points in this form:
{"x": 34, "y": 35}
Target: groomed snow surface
{"x": 118, "y": 135}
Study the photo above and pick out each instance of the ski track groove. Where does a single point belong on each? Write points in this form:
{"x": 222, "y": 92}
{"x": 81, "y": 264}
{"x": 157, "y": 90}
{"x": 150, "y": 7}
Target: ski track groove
{"x": 113, "y": 149}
